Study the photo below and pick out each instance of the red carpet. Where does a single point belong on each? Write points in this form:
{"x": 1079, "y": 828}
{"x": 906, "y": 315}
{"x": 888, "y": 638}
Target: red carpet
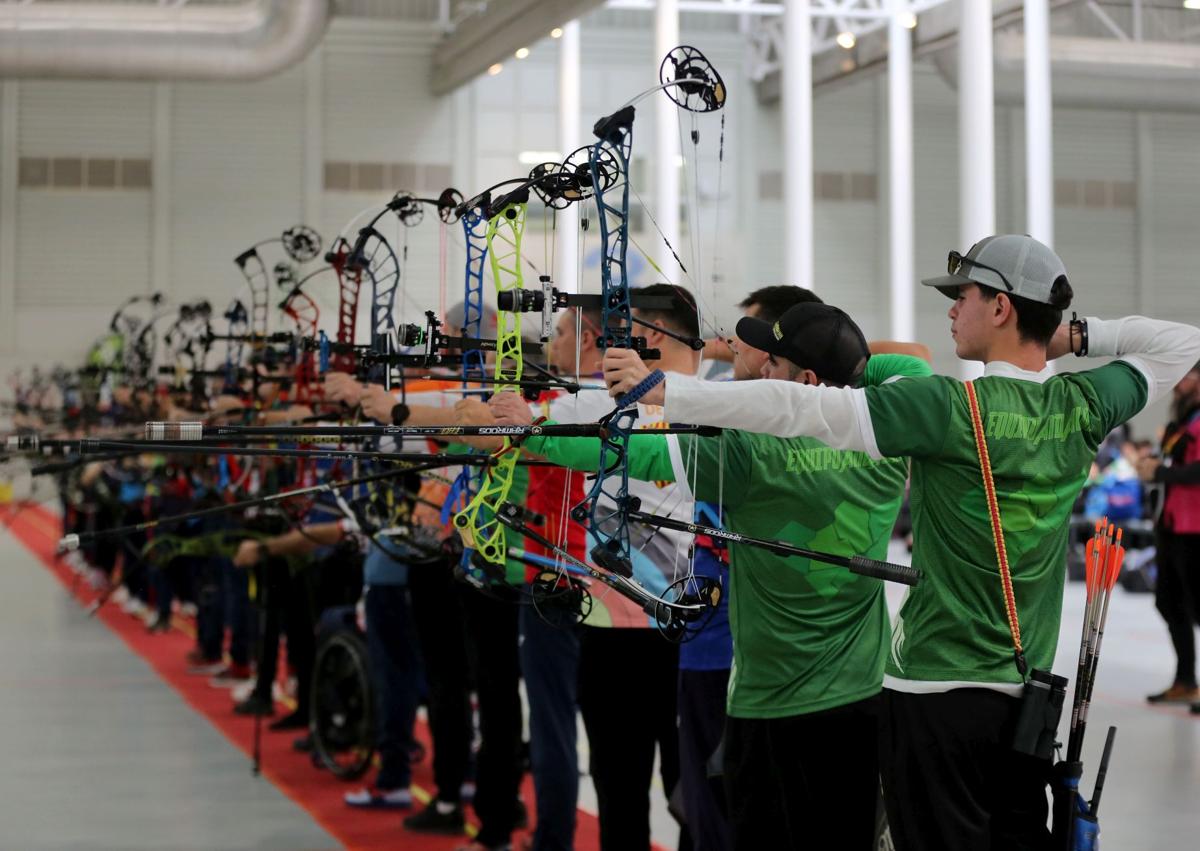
{"x": 38, "y": 529}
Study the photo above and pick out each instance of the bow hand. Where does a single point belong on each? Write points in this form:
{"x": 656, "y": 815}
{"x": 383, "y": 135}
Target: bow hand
{"x": 624, "y": 370}
{"x": 377, "y": 403}
{"x": 510, "y": 409}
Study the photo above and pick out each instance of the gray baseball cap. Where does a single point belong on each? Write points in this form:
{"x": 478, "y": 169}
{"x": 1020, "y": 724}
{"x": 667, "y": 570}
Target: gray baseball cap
{"x": 1011, "y": 263}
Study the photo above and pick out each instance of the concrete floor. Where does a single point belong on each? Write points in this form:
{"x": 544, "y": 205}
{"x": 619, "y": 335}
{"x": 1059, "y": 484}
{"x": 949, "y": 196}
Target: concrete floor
{"x": 98, "y": 753}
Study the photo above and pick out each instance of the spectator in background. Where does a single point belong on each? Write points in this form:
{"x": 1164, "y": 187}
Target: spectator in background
{"x": 1177, "y": 591}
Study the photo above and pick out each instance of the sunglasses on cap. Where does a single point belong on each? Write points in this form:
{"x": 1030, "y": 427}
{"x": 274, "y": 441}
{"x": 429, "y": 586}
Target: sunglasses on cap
{"x": 955, "y": 262}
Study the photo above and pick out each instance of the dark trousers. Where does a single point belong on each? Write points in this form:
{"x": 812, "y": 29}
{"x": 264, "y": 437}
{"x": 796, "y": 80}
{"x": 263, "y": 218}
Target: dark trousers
{"x": 627, "y": 690}
{"x": 550, "y": 664}
{"x": 222, "y": 601}
{"x": 440, "y": 627}
{"x": 702, "y": 697}
{"x": 210, "y": 605}
{"x": 805, "y": 781}
{"x": 395, "y": 669}
{"x": 951, "y": 779}
{"x": 492, "y": 630}
{"x": 289, "y": 606}
{"x": 1177, "y": 597}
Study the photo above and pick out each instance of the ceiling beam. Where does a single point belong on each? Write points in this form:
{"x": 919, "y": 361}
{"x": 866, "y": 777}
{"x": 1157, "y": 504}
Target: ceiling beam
{"x": 495, "y": 34}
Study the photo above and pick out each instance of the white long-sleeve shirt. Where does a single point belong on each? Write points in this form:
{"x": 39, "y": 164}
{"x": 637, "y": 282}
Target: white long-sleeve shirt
{"x": 1162, "y": 352}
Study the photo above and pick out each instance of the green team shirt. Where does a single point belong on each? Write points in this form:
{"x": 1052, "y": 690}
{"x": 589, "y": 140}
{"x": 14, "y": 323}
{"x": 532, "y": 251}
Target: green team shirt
{"x": 806, "y": 636}
{"x": 1042, "y": 439}
{"x": 514, "y": 570}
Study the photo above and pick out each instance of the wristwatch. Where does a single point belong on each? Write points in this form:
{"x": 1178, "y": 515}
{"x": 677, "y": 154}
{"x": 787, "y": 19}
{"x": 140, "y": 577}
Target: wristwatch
{"x": 1078, "y": 326}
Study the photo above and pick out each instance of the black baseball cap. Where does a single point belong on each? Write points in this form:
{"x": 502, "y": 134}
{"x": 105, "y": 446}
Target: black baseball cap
{"x": 813, "y": 336}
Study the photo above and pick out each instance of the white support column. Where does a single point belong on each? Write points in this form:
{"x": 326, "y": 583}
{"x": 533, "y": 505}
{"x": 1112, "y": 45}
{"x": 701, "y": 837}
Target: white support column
{"x": 1145, "y": 301}
{"x": 666, "y": 147}
{"x": 9, "y": 163}
{"x": 1039, "y": 164}
{"x": 900, "y": 174}
{"x": 566, "y": 267}
{"x": 976, "y": 134}
{"x": 160, "y": 193}
{"x": 976, "y": 125}
{"x": 796, "y": 114}
{"x": 314, "y": 139}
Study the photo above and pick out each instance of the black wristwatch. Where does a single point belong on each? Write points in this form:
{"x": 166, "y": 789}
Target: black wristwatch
{"x": 1079, "y": 326}
{"x": 400, "y": 413}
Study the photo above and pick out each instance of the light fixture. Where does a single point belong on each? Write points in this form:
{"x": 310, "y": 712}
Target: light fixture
{"x": 538, "y": 157}
{"x": 556, "y": 32}
{"x": 909, "y": 19}
{"x": 1192, "y": 4}
{"x": 522, "y": 52}
{"x": 495, "y": 69}
{"x": 846, "y": 39}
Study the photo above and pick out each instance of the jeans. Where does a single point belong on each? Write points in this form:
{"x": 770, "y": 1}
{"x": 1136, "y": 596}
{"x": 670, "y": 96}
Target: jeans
{"x": 550, "y": 664}
{"x": 395, "y": 672}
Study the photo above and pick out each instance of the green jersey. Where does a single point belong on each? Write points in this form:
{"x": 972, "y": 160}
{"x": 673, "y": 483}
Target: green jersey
{"x": 1042, "y": 432}
{"x": 806, "y": 636}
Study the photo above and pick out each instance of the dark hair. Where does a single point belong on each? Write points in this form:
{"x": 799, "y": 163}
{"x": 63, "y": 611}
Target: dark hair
{"x": 1037, "y": 322}
{"x": 774, "y": 301}
{"x": 593, "y": 318}
{"x": 682, "y": 316}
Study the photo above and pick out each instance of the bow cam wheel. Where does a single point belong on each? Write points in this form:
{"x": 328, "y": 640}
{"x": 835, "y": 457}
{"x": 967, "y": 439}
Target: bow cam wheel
{"x": 301, "y": 243}
{"x": 447, "y": 206}
{"x": 700, "y": 87}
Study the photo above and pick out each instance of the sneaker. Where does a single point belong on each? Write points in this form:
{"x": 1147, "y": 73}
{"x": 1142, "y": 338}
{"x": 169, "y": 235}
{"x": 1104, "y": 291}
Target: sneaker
{"x": 133, "y": 606}
{"x": 370, "y": 797}
{"x": 155, "y": 622}
{"x": 433, "y": 819}
{"x": 244, "y": 689}
{"x": 255, "y": 705}
{"x": 188, "y": 610}
{"x": 230, "y": 675}
{"x": 1177, "y": 693}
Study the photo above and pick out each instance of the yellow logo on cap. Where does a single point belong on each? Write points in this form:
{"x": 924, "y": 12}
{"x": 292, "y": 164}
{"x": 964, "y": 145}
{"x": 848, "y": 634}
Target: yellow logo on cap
{"x": 776, "y": 330}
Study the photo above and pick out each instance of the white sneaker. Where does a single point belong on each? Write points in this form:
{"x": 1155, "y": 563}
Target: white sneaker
{"x": 384, "y": 799}
{"x": 120, "y": 597}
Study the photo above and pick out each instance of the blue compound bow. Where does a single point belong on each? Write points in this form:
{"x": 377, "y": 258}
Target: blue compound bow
{"x": 690, "y": 80}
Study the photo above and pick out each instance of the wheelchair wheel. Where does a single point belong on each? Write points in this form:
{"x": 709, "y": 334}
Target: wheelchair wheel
{"x": 342, "y": 724}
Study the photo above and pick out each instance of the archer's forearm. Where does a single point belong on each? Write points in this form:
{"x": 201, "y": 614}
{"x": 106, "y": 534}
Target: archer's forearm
{"x": 648, "y": 454}
{"x": 304, "y": 540}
